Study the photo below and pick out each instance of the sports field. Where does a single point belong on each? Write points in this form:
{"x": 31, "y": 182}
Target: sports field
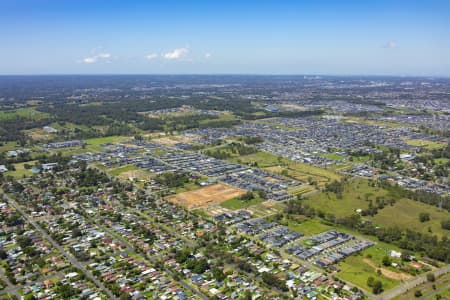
{"x": 205, "y": 196}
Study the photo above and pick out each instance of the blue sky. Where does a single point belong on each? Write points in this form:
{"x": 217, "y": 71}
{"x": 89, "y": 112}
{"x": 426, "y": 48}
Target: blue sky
{"x": 392, "y": 37}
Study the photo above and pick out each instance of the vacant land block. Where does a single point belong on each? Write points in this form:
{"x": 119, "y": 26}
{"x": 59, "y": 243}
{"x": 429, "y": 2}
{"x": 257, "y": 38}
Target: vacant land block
{"x": 279, "y": 165}
{"x": 357, "y": 194}
{"x": 406, "y": 214}
{"x": 205, "y": 196}
{"x": 237, "y": 203}
{"x": 426, "y": 144}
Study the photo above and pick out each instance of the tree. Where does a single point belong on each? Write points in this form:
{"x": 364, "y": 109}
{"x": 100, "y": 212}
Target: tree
{"x": 386, "y": 261}
{"x": 431, "y": 277}
{"x": 66, "y": 291}
{"x": 377, "y": 287}
{"x": 406, "y": 255}
{"x": 76, "y": 232}
{"x": 247, "y": 196}
{"x": 424, "y": 217}
{"x": 418, "y": 294}
{"x": 3, "y": 254}
{"x": 273, "y": 280}
{"x": 218, "y": 274}
{"x": 445, "y": 224}
{"x": 24, "y": 241}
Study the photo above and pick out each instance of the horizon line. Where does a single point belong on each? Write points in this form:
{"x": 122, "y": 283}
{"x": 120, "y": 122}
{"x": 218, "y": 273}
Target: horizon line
{"x": 227, "y": 74}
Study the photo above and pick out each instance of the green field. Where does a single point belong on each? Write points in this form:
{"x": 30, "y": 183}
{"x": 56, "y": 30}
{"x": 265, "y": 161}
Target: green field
{"x": 221, "y": 118}
{"x": 301, "y": 190}
{"x": 28, "y": 113}
{"x": 20, "y": 170}
{"x": 363, "y": 158}
{"x": 6, "y": 146}
{"x": 354, "y": 197}
{"x": 236, "y": 203}
{"x": 68, "y": 126}
{"x": 441, "y": 161}
{"x": 105, "y": 140}
{"x": 300, "y": 171}
{"x": 263, "y": 159}
{"x": 305, "y": 173}
{"x": 361, "y": 120}
{"x": 189, "y": 186}
{"x": 356, "y": 271}
{"x": 309, "y": 226}
{"x": 120, "y": 170}
{"x": 94, "y": 144}
{"x": 406, "y": 211}
{"x": 426, "y": 144}
{"x": 405, "y": 214}
{"x": 200, "y": 213}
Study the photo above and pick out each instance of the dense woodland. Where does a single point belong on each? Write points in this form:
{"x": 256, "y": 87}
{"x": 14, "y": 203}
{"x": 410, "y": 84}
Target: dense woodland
{"x": 125, "y": 117}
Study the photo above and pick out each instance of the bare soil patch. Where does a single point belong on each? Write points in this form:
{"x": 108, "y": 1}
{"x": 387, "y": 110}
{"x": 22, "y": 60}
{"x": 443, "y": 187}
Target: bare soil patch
{"x": 206, "y": 196}
{"x": 388, "y": 273}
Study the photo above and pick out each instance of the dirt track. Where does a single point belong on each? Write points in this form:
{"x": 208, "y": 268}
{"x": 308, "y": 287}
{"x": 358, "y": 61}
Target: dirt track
{"x": 388, "y": 273}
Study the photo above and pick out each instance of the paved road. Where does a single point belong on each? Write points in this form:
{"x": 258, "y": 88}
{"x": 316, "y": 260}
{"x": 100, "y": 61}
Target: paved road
{"x": 411, "y": 284}
{"x": 16, "y": 288}
{"x": 435, "y": 292}
{"x": 189, "y": 242}
{"x": 10, "y": 289}
{"x": 68, "y": 255}
{"x": 130, "y": 247}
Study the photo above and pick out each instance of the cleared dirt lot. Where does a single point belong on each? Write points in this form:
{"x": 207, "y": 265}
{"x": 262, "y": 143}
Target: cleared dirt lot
{"x": 172, "y": 140}
{"x": 205, "y": 196}
{"x": 388, "y": 273}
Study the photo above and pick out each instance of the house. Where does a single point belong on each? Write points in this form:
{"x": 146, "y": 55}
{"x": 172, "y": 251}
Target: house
{"x": 65, "y": 144}
{"x": 12, "y": 153}
{"x": 49, "y": 166}
{"x": 49, "y": 129}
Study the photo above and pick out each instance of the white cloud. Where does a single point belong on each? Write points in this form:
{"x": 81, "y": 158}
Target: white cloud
{"x": 151, "y": 56}
{"x": 104, "y": 55}
{"x": 176, "y": 54}
{"x": 390, "y": 45}
{"x": 89, "y": 60}
{"x": 207, "y": 55}
{"x": 96, "y": 58}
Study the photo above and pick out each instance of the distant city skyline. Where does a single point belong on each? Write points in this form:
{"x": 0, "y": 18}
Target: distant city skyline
{"x": 410, "y": 38}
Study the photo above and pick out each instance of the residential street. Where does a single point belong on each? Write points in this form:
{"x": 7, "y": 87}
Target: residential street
{"x": 68, "y": 255}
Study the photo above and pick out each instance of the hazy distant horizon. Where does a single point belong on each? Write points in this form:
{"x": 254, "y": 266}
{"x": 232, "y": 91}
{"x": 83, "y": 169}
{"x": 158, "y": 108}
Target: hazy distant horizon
{"x": 232, "y": 74}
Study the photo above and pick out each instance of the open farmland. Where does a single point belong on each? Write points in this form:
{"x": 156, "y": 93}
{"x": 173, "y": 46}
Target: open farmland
{"x": 205, "y": 196}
